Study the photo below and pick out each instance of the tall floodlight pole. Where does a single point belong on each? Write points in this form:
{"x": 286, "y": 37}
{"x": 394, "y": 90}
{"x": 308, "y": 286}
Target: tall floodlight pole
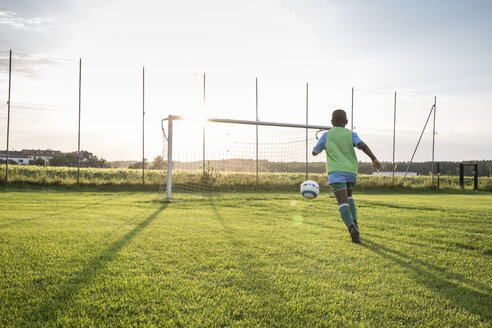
{"x": 352, "y": 112}
{"x": 433, "y": 139}
{"x": 203, "y": 158}
{"x": 307, "y": 112}
{"x": 8, "y": 120}
{"x": 257, "y": 131}
{"x": 143, "y": 125}
{"x": 394, "y": 134}
{"x": 78, "y": 147}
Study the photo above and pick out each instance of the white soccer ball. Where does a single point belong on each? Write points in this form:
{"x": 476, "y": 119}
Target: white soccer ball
{"x": 309, "y": 189}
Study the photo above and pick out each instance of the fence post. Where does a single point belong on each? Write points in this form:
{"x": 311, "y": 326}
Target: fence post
{"x": 203, "y": 157}
{"x": 438, "y": 175}
{"x": 352, "y": 112}
{"x": 462, "y": 172}
{"x": 78, "y": 147}
{"x": 8, "y": 121}
{"x": 143, "y": 125}
{"x": 433, "y": 139}
{"x": 394, "y": 136}
{"x": 256, "y": 131}
{"x": 475, "y": 178}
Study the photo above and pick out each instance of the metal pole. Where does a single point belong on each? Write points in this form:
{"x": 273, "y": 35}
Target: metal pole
{"x": 462, "y": 172}
{"x": 438, "y": 175}
{"x": 433, "y": 139}
{"x": 78, "y": 148}
{"x": 169, "y": 158}
{"x": 257, "y": 131}
{"x": 307, "y": 112}
{"x": 352, "y": 112}
{"x": 203, "y": 158}
{"x": 475, "y": 178}
{"x": 8, "y": 120}
{"x": 261, "y": 123}
{"x": 143, "y": 125}
{"x": 394, "y": 134}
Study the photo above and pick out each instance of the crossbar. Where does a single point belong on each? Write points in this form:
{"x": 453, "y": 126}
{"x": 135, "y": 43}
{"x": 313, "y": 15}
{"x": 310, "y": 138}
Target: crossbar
{"x": 226, "y": 120}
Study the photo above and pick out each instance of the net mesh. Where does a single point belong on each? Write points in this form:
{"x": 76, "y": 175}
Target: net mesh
{"x": 230, "y": 159}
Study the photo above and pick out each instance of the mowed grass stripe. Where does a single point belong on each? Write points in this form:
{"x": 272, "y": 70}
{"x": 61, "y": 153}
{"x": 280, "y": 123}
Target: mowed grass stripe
{"x": 125, "y": 259}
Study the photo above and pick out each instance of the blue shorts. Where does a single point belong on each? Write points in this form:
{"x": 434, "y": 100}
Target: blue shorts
{"x": 340, "y": 177}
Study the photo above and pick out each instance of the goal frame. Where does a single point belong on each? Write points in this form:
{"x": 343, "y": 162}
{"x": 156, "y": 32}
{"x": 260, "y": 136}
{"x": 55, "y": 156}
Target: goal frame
{"x": 169, "y": 137}
{"x": 475, "y": 175}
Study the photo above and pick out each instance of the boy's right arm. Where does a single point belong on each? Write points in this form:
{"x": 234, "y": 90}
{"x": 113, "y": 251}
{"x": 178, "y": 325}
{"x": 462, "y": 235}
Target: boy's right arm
{"x": 365, "y": 148}
{"x": 320, "y": 145}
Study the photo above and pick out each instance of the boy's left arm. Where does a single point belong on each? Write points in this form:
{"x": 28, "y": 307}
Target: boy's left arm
{"x": 365, "y": 148}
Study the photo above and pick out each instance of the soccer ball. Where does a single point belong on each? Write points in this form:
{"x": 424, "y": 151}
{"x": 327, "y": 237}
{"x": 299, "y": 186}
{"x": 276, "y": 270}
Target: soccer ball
{"x": 309, "y": 189}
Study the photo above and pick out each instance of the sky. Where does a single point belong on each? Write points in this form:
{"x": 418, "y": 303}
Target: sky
{"x": 420, "y": 49}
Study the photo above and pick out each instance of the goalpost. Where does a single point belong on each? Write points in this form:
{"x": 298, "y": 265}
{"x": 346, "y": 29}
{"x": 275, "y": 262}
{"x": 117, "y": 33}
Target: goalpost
{"x": 240, "y": 155}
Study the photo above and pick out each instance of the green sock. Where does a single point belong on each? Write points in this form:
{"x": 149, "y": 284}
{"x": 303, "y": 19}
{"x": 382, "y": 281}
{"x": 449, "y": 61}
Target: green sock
{"x": 353, "y": 209}
{"x": 346, "y": 214}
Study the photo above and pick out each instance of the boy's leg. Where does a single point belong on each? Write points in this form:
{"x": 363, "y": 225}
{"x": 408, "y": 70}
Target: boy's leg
{"x": 344, "y": 207}
{"x": 340, "y": 191}
{"x": 353, "y": 209}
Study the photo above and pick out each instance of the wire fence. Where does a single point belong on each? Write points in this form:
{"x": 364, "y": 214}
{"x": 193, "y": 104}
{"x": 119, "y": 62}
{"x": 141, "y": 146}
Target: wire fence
{"x": 44, "y": 102}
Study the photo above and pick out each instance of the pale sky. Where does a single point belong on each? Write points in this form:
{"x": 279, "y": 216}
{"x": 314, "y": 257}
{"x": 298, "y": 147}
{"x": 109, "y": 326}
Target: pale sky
{"x": 420, "y": 49}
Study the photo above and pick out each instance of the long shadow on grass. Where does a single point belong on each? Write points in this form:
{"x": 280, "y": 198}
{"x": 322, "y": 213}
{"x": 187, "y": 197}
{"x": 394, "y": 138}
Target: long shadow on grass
{"x": 55, "y": 303}
{"x": 463, "y": 297}
{"x": 238, "y": 249}
{"x": 445, "y": 246}
{"x": 254, "y": 280}
{"x": 60, "y": 213}
{"x": 93, "y": 204}
{"x": 372, "y": 204}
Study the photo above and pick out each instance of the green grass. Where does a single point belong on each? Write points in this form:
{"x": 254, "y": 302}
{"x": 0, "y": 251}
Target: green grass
{"x": 71, "y": 259}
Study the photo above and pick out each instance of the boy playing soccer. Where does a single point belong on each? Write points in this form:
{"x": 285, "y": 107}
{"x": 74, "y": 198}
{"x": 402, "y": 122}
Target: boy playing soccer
{"x": 341, "y": 167}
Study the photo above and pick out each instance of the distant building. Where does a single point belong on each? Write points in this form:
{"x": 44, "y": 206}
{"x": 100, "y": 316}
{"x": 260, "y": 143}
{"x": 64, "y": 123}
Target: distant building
{"x": 16, "y": 156}
{"x": 25, "y": 156}
{"x": 39, "y": 153}
{"x": 396, "y": 173}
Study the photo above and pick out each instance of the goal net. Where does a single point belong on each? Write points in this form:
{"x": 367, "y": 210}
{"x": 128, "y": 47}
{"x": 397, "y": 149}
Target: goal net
{"x": 234, "y": 155}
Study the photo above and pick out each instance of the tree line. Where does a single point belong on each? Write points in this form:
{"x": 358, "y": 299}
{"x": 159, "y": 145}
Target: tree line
{"x": 249, "y": 165}
{"x": 88, "y": 159}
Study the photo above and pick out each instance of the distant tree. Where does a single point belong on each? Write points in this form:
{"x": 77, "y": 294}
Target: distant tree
{"x": 37, "y": 161}
{"x": 138, "y": 165}
{"x": 2, "y": 161}
{"x": 94, "y": 161}
{"x": 65, "y": 159}
{"x": 87, "y": 159}
{"x": 158, "y": 164}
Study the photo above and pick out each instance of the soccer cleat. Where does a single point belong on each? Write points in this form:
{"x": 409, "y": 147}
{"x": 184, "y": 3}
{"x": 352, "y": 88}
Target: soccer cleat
{"x": 354, "y": 233}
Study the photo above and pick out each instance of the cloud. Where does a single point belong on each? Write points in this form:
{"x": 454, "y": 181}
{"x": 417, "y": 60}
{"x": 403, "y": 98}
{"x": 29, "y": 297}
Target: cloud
{"x": 13, "y": 20}
{"x": 30, "y": 65}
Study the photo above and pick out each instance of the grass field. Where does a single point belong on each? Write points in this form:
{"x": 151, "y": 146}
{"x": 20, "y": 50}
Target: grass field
{"x": 244, "y": 260}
